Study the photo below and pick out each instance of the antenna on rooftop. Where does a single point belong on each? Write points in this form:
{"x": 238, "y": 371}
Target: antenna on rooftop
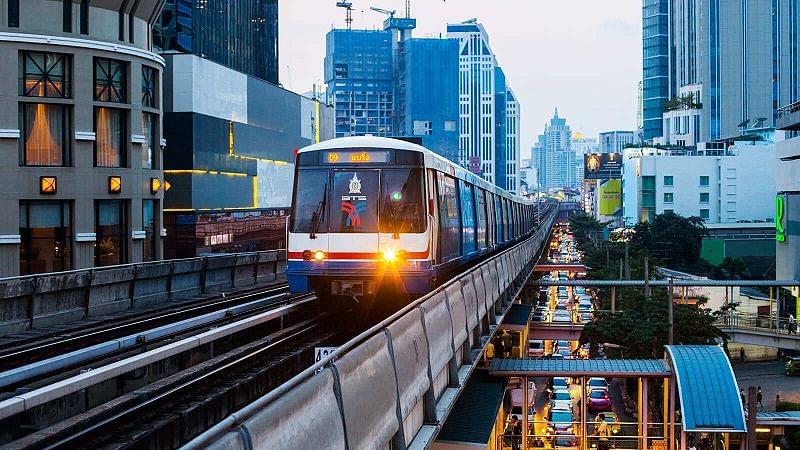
{"x": 348, "y": 6}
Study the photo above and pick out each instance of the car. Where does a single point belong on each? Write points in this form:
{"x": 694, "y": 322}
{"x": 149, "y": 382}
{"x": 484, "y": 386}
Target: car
{"x": 569, "y": 442}
{"x": 559, "y": 383}
{"x": 793, "y": 366}
{"x": 560, "y": 422}
{"x": 561, "y": 399}
{"x": 561, "y": 317}
{"x": 535, "y": 348}
{"x": 563, "y": 344}
{"x": 586, "y": 317}
{"x": 596, "y": 383}
{"x": 566, "y": 353}
{"x": 517, "y": 393}
{"x": 598, "y": 400}
{"x": 612, "y": 420}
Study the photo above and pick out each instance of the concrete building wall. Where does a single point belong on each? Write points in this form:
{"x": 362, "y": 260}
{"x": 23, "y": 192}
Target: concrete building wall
{"x": 79, "y": 182}
{"x": 787, "y": 251}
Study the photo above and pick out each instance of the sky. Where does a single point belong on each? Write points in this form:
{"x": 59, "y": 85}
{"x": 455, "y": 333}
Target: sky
{"x": 582, "y": 56}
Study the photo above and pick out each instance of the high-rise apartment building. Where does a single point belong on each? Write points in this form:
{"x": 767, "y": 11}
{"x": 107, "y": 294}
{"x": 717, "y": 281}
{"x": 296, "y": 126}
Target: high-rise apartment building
{"x": 615, "y": 141}
{"x": 731, "y": 65}
{"x": 385, "y": 83}
{"x": 655, "y": 63}
{"x": 553, "y": 155}
{"x": 582, "y": 145}
{"x": 512, "y": 161}
{"x": 240, "y": 34}
{"x": 484, "y": 102}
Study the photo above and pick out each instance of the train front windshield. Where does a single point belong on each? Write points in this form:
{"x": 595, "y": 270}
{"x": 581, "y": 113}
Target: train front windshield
{"x": 358, "y": 200}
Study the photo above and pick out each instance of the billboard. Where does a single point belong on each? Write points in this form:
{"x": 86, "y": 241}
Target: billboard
{"x": 609, "y": 195}
{"x": 602, "y": 166}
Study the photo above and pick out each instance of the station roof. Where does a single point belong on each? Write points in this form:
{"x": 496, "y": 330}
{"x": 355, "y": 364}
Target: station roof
{"x": 785, "y": 418}
{"x": 518, "y": 315}
{"x": 580, "y": 367}
{"x": 474, "y": 415}
{"x": 707, "y": 389}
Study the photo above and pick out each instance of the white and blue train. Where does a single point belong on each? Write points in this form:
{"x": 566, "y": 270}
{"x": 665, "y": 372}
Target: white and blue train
{"x": 374, "y": 215}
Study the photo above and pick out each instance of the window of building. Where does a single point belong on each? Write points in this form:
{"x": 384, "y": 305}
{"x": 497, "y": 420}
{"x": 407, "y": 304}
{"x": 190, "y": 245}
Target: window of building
{"x": 730, "y": 173}
{"x": 668, "y": 180}
{"x": 704, "y": 181}
{"x": 109, "y": 144}
{"x": 109, "y": 225}
{"x": 422, "y": 127}
{"x": 668, "y": 197}
{"x": 13, "y": 13}
{"x": 149, "y": 227}
{"x": 704, "y": 197}
{"x": 669, "y": 211}
{"x": 84, "y": 17}
{"x": 731, "y": 207}
{"x": 704, "y": 214}
{"x": 449, "y": 125}
{"x": 67, "y": 16}
{"x": 149, "y": 87}
{"x": 46, "y": 237}
{"x": 45, "y": 135}
{"x": 110, "y": 80}
{"x": 148, "y": 147}
{"x": 45, "y": 75}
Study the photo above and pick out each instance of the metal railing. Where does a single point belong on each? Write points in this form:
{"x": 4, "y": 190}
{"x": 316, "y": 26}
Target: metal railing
{"x": 34, "y": 301}
{"x": 788, "y": 109}
{"x": 567, "y": 435}
{"x": 758, "y": 322}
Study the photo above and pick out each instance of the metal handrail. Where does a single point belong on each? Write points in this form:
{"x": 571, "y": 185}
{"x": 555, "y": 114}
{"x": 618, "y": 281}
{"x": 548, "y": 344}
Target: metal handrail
{"x": 788, "y": 109}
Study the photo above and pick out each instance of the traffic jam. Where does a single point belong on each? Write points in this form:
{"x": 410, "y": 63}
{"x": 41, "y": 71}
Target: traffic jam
{"x": 554, "y": 404}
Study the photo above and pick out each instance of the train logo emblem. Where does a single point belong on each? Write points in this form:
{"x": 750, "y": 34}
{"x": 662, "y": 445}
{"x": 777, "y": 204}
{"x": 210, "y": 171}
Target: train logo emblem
{"x": 355, "y": 184}
{"x": 353, "y": 211}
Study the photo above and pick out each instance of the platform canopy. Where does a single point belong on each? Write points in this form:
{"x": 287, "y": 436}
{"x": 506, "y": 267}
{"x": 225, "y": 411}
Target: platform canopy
{"x": 707, "y": 388}
{"x": 580, "y": 367}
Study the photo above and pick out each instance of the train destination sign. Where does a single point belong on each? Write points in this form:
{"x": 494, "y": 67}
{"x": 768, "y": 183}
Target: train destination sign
{"x": 356, "y": 157}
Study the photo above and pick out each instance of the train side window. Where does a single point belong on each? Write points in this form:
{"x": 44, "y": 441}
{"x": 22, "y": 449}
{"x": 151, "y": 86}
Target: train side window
{"x": 449, "y": 218}
{"x": 467, "y": 218}
{"x": 480, "y": 214}
{"x": 498, "y": 212}
{"x": 490, "y": 224}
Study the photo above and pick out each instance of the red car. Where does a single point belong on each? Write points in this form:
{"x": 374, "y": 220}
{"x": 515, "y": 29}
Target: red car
{"x": 598, "y": 400}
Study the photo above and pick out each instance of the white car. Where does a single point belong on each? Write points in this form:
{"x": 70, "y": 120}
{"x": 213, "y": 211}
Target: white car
{"x": 596, "y": 383}
{"x": 561, "y": 399}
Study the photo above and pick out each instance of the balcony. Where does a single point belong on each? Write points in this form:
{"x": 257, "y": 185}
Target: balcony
{"x": 788, "y": 117}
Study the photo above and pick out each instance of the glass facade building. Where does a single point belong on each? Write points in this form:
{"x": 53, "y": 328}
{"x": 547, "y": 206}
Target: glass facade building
{"x": 655, "y": 59}
{"x": 240, "y": 34}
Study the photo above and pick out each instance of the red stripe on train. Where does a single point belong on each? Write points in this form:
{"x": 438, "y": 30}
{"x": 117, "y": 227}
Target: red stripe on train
{"x": 354, "y": 255}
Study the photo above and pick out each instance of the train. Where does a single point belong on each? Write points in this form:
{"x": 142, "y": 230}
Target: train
{"x": 373, "y": 216}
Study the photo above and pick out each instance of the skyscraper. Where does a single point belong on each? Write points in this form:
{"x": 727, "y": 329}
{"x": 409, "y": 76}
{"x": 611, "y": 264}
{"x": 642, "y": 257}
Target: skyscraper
{"x": 731, "y": 65}
{"x": 615, "y": 141}
{"x": 240, "y": 34}
{"x": 553, "y": 155}
{"x": 655, "y": 63}
{"x": 485, "y": 105}
{"x": 385, "y": 83}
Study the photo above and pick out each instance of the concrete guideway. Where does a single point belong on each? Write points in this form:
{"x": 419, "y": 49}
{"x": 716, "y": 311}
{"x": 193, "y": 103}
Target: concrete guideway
{"x": 28, "y": 400}
{"x": 395, "y": 382}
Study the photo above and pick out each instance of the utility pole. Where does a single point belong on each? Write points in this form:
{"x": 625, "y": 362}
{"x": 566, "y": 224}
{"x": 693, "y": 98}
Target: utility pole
{"x": 751, "y": 418}
{"x": 646, "y": 279}
{"x": 669, "y": 314}
{"x": 627, "y": 264}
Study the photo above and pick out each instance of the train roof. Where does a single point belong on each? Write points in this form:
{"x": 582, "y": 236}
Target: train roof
{"x": 363, "y": 141}
{"x": 389, "y": 143}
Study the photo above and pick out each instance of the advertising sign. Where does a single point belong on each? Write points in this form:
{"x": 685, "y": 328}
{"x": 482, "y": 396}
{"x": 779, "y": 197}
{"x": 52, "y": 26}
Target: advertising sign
{"x": 475, "y": 164}
{"x": 602, "y": 166}
{"x": 610, "y": 197}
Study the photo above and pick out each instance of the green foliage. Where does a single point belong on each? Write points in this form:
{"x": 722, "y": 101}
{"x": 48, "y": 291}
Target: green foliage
{"x": 787, "y": 406}
{"x": 641, "y": 327}
{"x": 674, "y": 239}
{"x": 731, "y": 269}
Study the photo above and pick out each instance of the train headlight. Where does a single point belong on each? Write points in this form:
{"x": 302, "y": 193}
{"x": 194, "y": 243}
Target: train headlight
{"x": 316, "y": 255}
{"x": 394, "y": 256}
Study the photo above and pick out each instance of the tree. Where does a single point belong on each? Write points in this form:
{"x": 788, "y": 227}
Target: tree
{"x": 641, "y": 328}
{"x": 732, "y": 269}
{"x": 586, "y": 228}
{"x": 672, "y": 238}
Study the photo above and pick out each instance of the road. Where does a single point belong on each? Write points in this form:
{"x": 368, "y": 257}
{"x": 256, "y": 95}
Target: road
{"x": 769, "y": 375}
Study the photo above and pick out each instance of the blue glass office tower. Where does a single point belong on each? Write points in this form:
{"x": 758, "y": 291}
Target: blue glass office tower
{"x": 359, "y": 74}
{"x": 431, "y": 98}
{"x": 655, "y": 59}
{"x": 500, "y": 101}
{"x": 240, "y": 34}
{"x": 385, "y": 85}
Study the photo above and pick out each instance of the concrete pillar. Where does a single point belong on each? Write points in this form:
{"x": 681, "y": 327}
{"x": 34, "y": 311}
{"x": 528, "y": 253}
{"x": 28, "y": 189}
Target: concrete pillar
{"x": 613, "y": 299}
{"x": 583, "y": 414}
{"x": 672, "y": 414}
{"x": 525, "y": 407}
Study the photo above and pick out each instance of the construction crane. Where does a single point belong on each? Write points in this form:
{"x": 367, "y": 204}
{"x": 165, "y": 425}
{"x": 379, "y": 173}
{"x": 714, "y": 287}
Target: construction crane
{"x": 348, "y": 6}
{"x": 384, "y": 11}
